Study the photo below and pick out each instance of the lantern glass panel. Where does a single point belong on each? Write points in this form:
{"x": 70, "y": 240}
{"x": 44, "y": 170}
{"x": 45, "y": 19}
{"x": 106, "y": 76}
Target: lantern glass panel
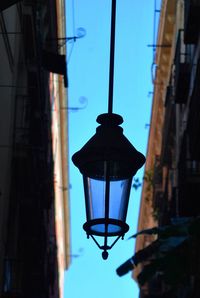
{"x": 119, "y": 196}
{"x": 95, "y": 196}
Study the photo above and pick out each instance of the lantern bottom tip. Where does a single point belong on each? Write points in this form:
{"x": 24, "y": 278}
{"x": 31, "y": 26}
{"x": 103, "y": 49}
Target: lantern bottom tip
{"x": 104, "y": 255}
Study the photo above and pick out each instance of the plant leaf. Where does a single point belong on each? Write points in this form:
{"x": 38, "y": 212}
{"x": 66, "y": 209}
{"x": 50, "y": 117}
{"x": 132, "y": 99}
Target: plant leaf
{"x": 171, "y": 243}
{"x": 146, "y": 231}
{"x": 125, "y": 267}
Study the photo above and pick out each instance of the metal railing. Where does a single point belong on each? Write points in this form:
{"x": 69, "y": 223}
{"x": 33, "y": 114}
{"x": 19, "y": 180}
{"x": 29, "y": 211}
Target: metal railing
{"x": 12, "y": 277}
{"x": 182, "y": 70}
{"x": 191, "y": 21}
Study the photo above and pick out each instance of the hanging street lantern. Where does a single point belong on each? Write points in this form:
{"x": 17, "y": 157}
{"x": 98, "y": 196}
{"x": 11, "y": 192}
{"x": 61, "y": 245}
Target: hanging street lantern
{"x": 108, "y": 162}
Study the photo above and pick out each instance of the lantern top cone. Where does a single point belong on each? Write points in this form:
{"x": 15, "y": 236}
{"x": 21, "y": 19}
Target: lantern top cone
{"x": 108, "y": 144}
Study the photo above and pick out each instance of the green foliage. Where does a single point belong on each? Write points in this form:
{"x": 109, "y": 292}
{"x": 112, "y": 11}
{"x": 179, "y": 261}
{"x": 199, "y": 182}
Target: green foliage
{"x": 148, "y": 177}
{"x": 178, "y": 227}
{"x": 174, "y": 254}
{"x": 169, "y": 260}
{"x": 136, "y": 183}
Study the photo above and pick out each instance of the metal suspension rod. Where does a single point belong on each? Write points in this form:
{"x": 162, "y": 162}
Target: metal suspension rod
{"x": 112, "y": 57}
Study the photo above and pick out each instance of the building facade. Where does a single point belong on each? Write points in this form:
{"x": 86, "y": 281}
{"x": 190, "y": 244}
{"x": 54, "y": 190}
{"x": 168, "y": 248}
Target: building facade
{"x": 171, "y": 185}
{"x": 34, "y": 221}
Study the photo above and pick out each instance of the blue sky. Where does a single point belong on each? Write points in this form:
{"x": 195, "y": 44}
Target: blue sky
{"x": 88, "y": 73}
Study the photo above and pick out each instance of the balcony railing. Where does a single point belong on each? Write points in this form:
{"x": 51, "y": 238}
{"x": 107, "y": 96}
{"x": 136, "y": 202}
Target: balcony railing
{"x": 182, "y": 70}
{"x": 168, "y": 96}
{"x": 193, "y": 123}
{"x": 189, "y": 168}
{"x": 157, "y": 177}
{"x": 189, "y": 188}
{"x": 12, "y": 278}
{"x": 191, "y": 26}
{"x": 192, "y": 171}
{"x": 168, "y": 127}
{"x": 157, "y": 183}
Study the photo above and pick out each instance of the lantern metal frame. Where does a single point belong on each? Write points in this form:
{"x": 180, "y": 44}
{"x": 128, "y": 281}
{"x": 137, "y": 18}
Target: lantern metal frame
{"x": 108, "y": 157}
